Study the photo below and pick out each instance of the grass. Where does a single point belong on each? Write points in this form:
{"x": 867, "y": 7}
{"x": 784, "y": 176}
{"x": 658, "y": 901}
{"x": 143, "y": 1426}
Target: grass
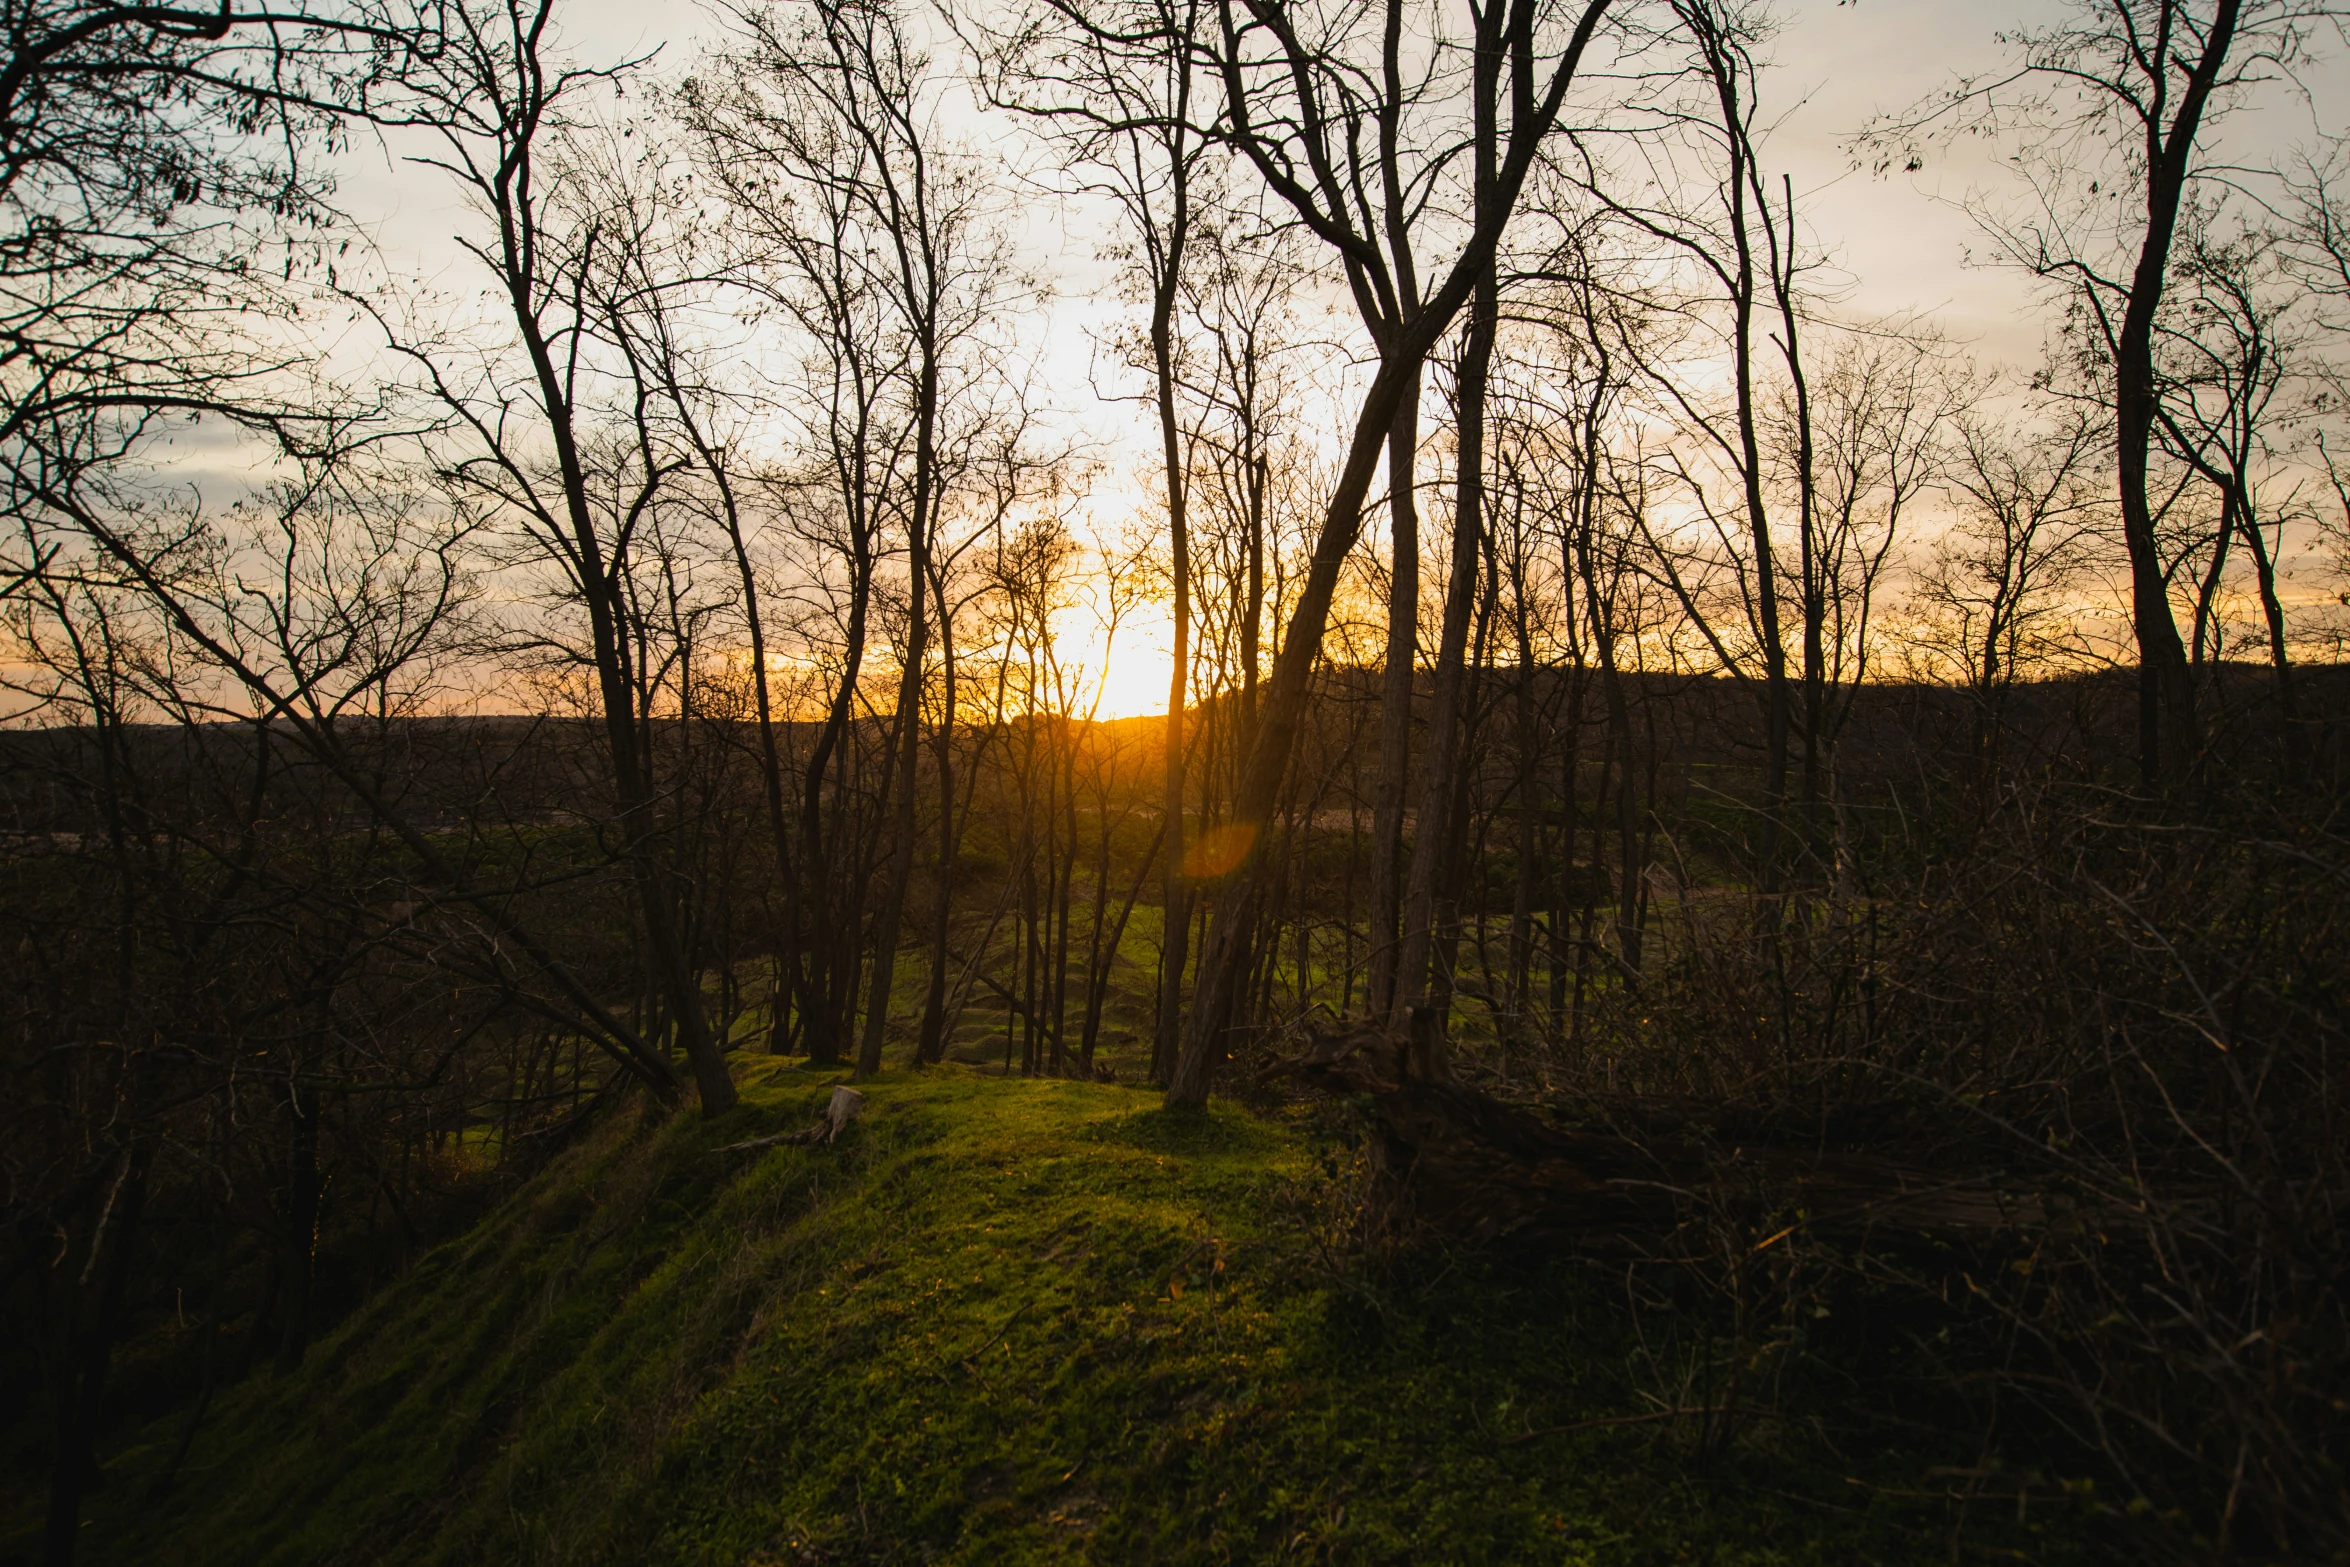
{"x": 1004, "y": 1321}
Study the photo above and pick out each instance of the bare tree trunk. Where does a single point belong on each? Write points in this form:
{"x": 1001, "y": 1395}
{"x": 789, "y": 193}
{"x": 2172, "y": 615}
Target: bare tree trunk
{"x": 88, "y": 1331}
{"x": 908, "y": 736}
{"x": 905, "y": 753}
{"x": 1452, "y": 869}
{"x": 1389, "y": 785}
{"x": 1811, "y": 567}
{"x": 2272, "y": 609}
{"x": 1253, "y": 609}
{"x": 1723, "y": 62}
{"x": 1562, "y": 881}
{"x": 931, "y": 1045}
{"x": 1175, "y": 892}
{"x": 517, "y": 260}
{"x": 786, "y": 951}
{"x": 1525, "y": 733}
{"x": 2169, "y": 733}
{"x": 1440, "y": 764}
{"x": 826, "y": 924}
{"x": 301, "y": 1233}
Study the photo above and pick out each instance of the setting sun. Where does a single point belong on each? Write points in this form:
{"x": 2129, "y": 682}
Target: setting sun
{"x": 1120, "y": 675}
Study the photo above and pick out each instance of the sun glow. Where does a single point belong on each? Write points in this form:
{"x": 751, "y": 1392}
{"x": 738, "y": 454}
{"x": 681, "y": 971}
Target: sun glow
{"x": 1121, "y": 674}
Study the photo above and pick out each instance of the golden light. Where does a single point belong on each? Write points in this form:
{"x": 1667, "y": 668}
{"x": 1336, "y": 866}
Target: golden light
{"x": 1127, "y": 670}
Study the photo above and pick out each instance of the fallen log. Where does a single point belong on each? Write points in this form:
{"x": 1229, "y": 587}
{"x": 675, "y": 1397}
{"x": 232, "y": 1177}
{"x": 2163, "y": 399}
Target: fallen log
{"x": 838, "y": 1113}
{"x": 1481, "y": 1168}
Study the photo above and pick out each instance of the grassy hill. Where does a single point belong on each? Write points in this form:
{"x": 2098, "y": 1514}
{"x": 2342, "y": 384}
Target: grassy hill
{"x": 1003, "y": 1321}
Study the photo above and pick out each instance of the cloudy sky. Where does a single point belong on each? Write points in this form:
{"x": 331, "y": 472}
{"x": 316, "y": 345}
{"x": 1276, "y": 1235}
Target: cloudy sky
{"x": 1902, "y": 243}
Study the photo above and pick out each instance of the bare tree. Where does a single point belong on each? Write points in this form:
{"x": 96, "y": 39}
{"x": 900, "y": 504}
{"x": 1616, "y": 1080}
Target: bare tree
{"x": 1242, "y": 391}
{"x": 1876, "y": 421}
{"x": 842, "y": 114}
{"x": 2122, "y": 101}
{"x": 1433, "y": 851}
{"x": 1738, "y": 239}
{"x": 1278, "y": 83}
{"x": 1119, "y": 86}
{"x": 2227, "y": 355}
{"x": 576, "y": 492}
{"x": 1991, "y": 597}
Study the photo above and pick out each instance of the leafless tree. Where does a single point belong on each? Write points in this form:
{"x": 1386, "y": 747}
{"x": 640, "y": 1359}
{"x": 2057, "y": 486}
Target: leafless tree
{"x": 574, "y": 481}
{"x": 1993, "y": 597}
{"x": 2227, "y": 358}
{"x": 1289, "y": 100}
{"x": 842, "y": 114}
{"x": 1120, "y": 89}
{"x": 2115, "y": 112}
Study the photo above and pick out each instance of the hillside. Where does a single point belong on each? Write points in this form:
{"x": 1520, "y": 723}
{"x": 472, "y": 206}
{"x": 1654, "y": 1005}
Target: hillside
{"x": 1002, "y": 1321}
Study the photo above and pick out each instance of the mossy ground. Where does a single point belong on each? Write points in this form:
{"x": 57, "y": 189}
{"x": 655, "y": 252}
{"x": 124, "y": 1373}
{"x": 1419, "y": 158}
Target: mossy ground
{"x": 1004, "y": 1321}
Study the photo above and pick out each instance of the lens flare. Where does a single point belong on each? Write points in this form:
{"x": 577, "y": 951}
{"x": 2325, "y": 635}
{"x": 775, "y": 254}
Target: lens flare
{"x": 1219, "y": 851}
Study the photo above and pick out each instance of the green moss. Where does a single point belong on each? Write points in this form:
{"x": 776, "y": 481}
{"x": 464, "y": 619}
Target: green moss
{"x": 1004, "y": 1321}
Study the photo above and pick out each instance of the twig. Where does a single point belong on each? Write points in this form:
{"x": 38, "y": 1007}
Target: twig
{"x": 796, "y": 1139}
{"x": 965, "y": 1360}
{"x": 1639, "y": 1420}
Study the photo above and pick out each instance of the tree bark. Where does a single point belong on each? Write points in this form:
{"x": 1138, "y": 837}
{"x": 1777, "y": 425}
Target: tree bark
{"x": 1389, "y": 788}
{"x": 88, "y": 1345}
{"x": 908, "y": 748}
{"x": 930, "y": 1045}
{"x": 301, "y": 1236}
{"x": 1440, "y": 762}
{"x": 2169, "y": 733}
{"x": 1175, "y": 892}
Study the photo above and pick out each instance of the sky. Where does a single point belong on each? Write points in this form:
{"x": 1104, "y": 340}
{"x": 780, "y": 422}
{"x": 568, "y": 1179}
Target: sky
{"x": 1903, "y": 240}
{"x": 1903, "y": 243}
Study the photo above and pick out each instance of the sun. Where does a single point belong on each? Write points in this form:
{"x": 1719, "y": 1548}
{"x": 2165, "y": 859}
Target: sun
{"x": 1122, "y": 674}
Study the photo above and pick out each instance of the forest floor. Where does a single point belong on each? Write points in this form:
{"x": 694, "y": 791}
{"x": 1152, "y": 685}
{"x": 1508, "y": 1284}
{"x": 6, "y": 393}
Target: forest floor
{"x": 1003, "y": 1320}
